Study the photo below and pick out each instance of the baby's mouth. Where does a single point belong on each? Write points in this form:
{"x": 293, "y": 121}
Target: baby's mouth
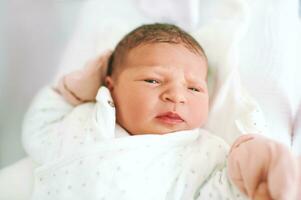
{"x": 170, "y": 118}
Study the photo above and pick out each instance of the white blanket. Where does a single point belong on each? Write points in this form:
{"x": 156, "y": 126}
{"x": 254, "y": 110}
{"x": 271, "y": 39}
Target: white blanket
{"x": 85, "y": 156}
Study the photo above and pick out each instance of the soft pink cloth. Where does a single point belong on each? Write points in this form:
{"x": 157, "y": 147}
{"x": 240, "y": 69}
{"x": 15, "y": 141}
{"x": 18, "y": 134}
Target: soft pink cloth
{"x": 82, "y": 85}
{"x": 264, "y": 169}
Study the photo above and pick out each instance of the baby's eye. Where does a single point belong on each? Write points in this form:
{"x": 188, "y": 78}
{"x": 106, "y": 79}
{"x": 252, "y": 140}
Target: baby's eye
{"x": 194, "y": 89}
{"x": 152, "y": 81}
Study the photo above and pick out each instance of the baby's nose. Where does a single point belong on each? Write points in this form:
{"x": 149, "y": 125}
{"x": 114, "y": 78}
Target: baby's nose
{"x": 174, "y": 95}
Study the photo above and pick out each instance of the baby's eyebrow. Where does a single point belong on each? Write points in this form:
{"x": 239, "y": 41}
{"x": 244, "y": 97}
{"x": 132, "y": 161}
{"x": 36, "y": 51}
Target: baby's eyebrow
{"x": 163, "y": 69}
{"x": 200, "y": 82}
{"x": 196, "y": 80}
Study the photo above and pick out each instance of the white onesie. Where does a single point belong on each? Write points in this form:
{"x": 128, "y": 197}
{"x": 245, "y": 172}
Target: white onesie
{"x": 84, "y": 154}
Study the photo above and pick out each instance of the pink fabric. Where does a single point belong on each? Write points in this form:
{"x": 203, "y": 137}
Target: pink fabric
{"x": 264, "y": 169}
{"x": 82, "y": 85}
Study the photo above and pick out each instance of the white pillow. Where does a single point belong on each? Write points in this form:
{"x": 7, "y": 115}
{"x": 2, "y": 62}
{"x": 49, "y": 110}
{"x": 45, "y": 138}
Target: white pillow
{"x": 232, "y": 111}
{"x": 270, "y": 65}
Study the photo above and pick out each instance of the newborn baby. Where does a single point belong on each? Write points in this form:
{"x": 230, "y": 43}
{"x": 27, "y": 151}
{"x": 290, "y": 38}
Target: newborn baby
{"x": 140, "y": 136}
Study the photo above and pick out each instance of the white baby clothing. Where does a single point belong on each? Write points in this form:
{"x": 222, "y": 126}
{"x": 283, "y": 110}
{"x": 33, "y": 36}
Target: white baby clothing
{"x": 84, "y": 154}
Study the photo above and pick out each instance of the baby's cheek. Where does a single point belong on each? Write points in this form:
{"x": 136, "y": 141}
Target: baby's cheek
{"x": 137, "y": 108}
{"x": 199, "y": 113}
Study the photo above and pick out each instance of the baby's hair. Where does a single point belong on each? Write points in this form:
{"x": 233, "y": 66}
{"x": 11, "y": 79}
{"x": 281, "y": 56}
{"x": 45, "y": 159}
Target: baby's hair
{"x": 152, "y": 33}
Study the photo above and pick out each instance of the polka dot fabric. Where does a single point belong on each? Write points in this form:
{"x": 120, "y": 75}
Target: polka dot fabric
{"x": 91, "y": 157}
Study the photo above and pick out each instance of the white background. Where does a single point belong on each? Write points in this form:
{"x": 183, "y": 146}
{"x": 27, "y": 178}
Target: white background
{"x": 33, "y": 35}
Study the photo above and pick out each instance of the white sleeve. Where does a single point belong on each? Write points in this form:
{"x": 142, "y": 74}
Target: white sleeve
{"x": 219, "y": 187}
{"x": 53, "y": 128}
{"x": 40, "y": 126}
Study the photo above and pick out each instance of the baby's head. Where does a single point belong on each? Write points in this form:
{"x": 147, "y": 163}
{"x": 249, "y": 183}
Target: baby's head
{"x": 157, "y": 77}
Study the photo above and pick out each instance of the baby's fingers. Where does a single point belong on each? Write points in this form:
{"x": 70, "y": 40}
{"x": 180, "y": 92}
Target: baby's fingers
{"x": 262, "y": 192}
{"x": 282, "y": 173}
{"x": 247, "y": 163}
{"x": 99, "y": 63}
{"x": 68, "y": 96}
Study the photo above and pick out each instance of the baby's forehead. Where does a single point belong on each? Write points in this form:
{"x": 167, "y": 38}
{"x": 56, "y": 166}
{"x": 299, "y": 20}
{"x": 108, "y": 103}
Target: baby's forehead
{"x": 161, "y": 50}
{"x": 166, "y": 54}
{"x": 152, "y": 46}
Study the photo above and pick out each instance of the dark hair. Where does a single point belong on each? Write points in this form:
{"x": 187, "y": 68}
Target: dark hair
{"x": 153, "y": 33}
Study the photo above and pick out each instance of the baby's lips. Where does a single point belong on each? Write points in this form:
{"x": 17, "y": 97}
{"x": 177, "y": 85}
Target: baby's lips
{"x": 170, "y": 115}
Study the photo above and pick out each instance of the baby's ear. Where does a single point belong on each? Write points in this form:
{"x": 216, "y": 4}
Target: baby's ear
{"x": 109, "y": 83}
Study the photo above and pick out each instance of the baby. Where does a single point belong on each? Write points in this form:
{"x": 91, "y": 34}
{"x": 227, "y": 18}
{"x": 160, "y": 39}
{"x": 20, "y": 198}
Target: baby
{"x": 140, "y": 137}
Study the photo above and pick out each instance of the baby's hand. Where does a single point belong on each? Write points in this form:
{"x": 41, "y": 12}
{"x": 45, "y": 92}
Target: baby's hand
{"x": 82, "y": 85}
{"x": 263, "y": 169}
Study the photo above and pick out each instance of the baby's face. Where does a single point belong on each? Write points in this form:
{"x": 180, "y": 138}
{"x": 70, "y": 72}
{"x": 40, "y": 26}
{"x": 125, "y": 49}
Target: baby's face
{"x": 161, "y": 88}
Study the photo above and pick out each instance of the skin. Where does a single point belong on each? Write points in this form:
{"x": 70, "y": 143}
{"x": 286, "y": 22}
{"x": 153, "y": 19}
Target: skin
{"x": 160, "y": 78}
